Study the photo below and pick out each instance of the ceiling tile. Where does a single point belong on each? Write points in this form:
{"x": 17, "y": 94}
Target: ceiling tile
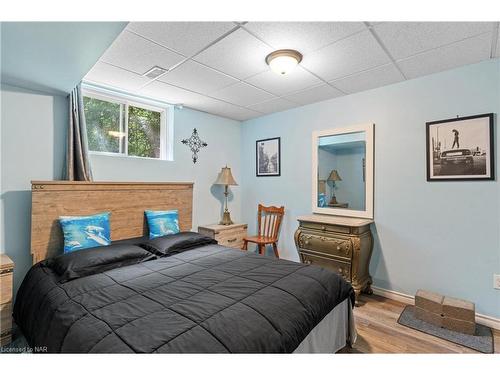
{"x": 194, "y": 76}
{"x": 170, "y": 94}
{"x": 184, "y": 37}
{"x": 381, "y": 76}
{"x": 466, "y": 52}
{"x": 220, "y": 108}
{"x": 137, "y": 54}
{"x": 404, "y": 39}
{"x": 274, "y": 105}
{"x": 298, "y": 79}
{"x": 314, "y": 94}
{"x": 242, "y": 94}
{"x": 109, "y": 75}
{"x": 239, "y": 54}
{"x": 303, "y": 36}
{"x": 351, "y": 55}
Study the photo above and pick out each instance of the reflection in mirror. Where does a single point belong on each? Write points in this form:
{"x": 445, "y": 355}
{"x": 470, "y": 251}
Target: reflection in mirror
{"x": 341, "y": 171}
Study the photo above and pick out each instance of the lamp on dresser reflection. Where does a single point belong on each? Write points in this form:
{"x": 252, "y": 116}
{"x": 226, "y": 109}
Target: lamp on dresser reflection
{"x": 334, "y": 176}
{"x": 226, "y": 178}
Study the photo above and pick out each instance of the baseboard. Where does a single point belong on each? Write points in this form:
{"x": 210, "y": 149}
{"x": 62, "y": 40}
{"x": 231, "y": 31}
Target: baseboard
{"x": 486, "y": 320}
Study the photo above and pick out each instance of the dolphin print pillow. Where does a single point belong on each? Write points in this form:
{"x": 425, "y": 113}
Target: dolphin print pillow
{"x": 84, "y": 232}
{"x": 162, "y": 223}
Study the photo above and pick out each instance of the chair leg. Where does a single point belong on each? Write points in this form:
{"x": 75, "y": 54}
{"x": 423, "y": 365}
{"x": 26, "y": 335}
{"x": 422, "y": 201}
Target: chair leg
{"x": 261, "y": 249}
{"x": 275, "y": 248}
{"x": 245, "y": 245}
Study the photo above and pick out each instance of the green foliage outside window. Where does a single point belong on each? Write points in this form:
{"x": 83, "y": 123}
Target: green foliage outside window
{"x": 143, "y": 132}
{"x": 103, "y": 117}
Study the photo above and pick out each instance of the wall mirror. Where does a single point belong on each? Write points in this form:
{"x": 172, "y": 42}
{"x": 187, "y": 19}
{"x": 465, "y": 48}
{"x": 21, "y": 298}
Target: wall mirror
{"x": 342, "y": 167}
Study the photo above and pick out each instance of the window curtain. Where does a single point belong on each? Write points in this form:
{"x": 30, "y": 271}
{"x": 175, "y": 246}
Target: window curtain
{"x": 77, "y": 153}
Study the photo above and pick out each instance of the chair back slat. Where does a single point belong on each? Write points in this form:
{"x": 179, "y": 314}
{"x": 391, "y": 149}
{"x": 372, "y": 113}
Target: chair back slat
{"x": 270, "y": 226}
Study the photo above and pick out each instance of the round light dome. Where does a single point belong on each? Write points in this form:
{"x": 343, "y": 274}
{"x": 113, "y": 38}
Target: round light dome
{"x": 283, "y": 61}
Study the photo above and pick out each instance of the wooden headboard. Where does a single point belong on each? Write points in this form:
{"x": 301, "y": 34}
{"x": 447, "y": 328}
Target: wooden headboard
{"x": 126, "y": 201}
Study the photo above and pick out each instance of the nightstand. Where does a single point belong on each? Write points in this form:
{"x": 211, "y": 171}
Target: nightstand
{"x": 226, "y": 235}
{"x": 6, "y": 273}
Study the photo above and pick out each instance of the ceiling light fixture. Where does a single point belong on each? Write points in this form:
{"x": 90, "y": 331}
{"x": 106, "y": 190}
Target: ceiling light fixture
{"x": 283, "y": 61}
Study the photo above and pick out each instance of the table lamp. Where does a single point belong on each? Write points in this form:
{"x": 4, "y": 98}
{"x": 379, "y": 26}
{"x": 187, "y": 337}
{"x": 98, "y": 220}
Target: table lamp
{"x": 334, "y": 176}
{"x": 226, "y": 178}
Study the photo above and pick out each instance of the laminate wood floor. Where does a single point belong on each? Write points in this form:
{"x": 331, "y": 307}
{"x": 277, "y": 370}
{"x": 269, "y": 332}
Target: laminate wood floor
{"x": 379, "y": 332}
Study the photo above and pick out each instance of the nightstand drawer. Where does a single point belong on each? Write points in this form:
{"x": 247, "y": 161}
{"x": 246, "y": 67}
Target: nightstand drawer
{"x": 336, "y": 265}
{"x": 226, "y": 235}
{"x": 232, "y": 238}
{"x": 336, "y": 246}
{"x": 5, "y": 318}
{"x": 6, "y": 287}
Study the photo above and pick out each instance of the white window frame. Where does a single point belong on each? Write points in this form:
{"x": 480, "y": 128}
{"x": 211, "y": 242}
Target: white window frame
{"x": 166, "y": 121}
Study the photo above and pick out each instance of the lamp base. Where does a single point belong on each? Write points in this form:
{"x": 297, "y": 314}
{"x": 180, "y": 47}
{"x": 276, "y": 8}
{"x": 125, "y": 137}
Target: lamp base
{"x": 333, "y": 200}
{"x": 226, "y": 218}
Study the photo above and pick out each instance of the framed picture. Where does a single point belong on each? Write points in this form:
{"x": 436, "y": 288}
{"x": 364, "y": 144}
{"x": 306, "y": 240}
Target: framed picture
{"x": 461, "y": 149}
{"x": 268, "y": 157}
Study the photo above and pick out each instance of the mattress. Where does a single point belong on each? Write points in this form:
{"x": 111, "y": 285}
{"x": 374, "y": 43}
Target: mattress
{"x": 210, "y": 299}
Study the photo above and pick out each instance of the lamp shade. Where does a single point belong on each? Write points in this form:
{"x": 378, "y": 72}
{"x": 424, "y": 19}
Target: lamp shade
{"x": 334, "y": 176}
{"x": 225, "y": 177}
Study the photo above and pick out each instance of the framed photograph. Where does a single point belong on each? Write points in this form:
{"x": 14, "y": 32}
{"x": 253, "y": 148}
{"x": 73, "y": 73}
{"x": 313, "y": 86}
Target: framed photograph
{"x": 461, "y": 149}
{"x": 268, "y": 157}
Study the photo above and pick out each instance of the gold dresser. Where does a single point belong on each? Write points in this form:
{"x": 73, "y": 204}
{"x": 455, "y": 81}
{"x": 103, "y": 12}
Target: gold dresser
{"x": 342, "y": 244}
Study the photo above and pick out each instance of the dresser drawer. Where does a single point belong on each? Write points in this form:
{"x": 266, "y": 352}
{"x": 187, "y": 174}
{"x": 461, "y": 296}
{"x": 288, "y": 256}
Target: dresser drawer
{"x": 340, "y": 247}
{"x": 323, "y": 227}
{"x": 336, "y": 265}
{"x": 5, "y": 318}
{"x": 5, "y": 287}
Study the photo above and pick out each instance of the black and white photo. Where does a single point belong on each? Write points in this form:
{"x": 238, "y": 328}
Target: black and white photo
{"x": 268, "y": 158}
{"x": 460, "y": 149}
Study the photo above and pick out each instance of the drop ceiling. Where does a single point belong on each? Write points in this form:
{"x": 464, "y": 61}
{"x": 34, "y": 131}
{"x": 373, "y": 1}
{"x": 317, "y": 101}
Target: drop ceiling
{"x": 219, "y": 67}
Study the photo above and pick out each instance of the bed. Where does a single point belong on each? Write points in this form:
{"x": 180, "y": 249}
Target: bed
{"x": 194, "y": 298}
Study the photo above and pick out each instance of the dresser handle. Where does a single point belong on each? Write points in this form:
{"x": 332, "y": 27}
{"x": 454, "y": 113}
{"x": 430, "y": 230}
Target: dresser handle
{"x": 232, "y": 240}
{"x": 306, "y": 242}
{"x": 323, "y": 228}
{"x": 307, "y": 261}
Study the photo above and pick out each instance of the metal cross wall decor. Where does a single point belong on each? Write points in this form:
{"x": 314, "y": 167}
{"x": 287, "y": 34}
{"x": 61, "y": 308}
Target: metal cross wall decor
{"x": 195, "y": 144}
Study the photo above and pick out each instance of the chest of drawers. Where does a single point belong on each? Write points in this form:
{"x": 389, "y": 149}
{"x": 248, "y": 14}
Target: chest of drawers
{"x": 343, "y": 245}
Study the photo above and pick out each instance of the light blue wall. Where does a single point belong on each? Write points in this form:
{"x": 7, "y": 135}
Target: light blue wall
{"x": 437, "y": 236}
{"x": 349, "y": 164}
{"x": 32, "y": 145}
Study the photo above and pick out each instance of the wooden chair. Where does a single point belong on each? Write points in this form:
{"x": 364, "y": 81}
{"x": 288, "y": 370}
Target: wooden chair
{"x": 269, "y": 229}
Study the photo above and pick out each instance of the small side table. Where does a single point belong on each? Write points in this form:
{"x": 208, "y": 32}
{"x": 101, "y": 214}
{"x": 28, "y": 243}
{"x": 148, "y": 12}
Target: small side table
{"x": 226, "y": 235}
{"x": 6, "y": 274}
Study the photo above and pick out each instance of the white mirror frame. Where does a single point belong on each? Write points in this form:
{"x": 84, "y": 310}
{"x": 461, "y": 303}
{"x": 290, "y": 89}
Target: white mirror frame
{"x": 369, "y": 130}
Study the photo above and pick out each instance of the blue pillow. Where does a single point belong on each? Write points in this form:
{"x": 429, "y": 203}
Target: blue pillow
{"x": 162, "y": 223}
{"x": 84, "y": 232}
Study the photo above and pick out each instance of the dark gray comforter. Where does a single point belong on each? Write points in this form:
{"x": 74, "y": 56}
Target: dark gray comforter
{"x": 210, "y": 299}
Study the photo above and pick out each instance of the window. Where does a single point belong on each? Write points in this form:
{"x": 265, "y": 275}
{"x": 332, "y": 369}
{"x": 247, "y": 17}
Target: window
{"x": 117, "y": 126}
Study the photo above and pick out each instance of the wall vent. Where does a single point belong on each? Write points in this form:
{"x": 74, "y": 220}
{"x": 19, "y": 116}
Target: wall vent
{"x": 155, "y": 72}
